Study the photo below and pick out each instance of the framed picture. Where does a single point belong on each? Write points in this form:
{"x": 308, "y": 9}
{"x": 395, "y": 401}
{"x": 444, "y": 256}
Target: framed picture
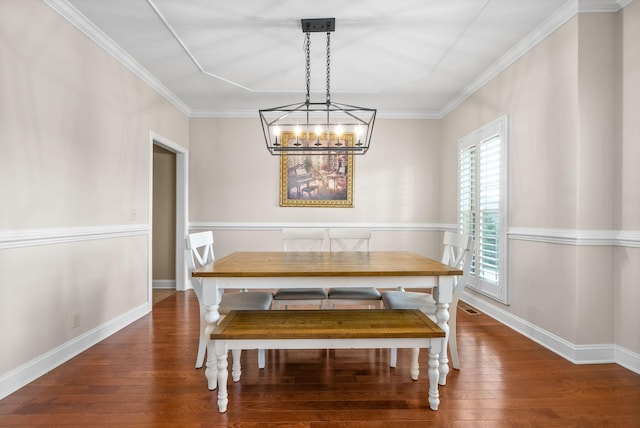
{"x": 316, "y": 180}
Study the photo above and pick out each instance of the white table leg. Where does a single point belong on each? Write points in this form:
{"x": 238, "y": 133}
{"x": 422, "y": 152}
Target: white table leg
{"x": 442, "y": 316}
{"x": 211, "y": 301}
{"x": 434, "y": 374}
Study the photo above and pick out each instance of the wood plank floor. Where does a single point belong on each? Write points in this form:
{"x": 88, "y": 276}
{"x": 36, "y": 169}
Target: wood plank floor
{"x": 144, "y": 376}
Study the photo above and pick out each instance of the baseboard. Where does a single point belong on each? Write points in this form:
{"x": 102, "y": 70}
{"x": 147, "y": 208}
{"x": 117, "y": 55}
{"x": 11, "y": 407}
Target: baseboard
{"x": 577, "y": 354}
{"x": 23, "y": 375}
{"x": 163, "y": 284}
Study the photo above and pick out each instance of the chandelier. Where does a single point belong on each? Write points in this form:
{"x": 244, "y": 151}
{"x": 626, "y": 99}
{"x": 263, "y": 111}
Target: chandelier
{"x": 317, "y": 127}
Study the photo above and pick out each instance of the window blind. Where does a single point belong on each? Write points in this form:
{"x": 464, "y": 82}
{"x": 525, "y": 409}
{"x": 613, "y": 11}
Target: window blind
{"x": 481, "y": 205}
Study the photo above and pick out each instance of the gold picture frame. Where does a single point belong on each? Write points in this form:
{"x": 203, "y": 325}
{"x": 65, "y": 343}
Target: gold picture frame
{"x": 316, "y": 180}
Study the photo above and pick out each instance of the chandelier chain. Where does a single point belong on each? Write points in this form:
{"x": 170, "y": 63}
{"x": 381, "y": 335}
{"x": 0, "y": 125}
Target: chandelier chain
{"x": 308, "y": 66}
{"x": 328, "y": 68}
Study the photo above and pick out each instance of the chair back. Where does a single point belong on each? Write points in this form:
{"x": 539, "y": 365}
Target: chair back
{"x": 198, "y": 252}
{"x": 350, "y": 239}
{"x": 302, "y": 239}
{"x": 458, "y": 253}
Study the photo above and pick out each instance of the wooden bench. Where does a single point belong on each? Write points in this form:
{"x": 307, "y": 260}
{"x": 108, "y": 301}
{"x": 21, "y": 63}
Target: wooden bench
{"x": 334, "y": 329}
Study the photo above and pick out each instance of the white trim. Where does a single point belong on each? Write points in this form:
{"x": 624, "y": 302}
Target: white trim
{"x": 552, "y": 236}
{"x": 577, "y": 354}
{"x": 627, "y": 359}
{"x": 35, "y": 237}
{"x": 87, "y": 27}
{"x": 30, "y": 371}
{"x": 424, "y": 227}
{"x": 620, "y": 238}
{"x": 163, "y": 284}
{"x": 599, "y": 6}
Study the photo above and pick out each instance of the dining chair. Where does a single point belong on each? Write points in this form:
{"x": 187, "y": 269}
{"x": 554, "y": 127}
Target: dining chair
{"x": 352, "y": 239}
{"x": 199, "y": 252}
{"x": 301, "y": 239}
{"x": 458, "y": 253}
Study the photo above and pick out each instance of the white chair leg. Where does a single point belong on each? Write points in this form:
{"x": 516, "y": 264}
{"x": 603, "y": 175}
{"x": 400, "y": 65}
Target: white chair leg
{"x": 393, "y": 357}
{"x": 235, "y": 367}
{"x": 202, "y": 344}
{"x": 211, "y": 372}
{"x": 415, "y": 367}
{"x": 453, "y": 343}
{"x": 261, "y": 359}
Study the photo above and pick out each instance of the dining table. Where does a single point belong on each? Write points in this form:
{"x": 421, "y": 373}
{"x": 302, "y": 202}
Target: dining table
{"x": 248, "y": 270}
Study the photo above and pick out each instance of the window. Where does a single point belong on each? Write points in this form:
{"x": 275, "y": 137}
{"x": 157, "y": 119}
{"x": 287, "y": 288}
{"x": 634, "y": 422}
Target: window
{"x": 482, "y": 205}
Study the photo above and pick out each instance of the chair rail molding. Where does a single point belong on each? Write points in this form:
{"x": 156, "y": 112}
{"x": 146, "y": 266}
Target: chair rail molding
{"x": 35, "y": 237}
{"x": 426, "y": 227}
{"x": 621, "y": 238}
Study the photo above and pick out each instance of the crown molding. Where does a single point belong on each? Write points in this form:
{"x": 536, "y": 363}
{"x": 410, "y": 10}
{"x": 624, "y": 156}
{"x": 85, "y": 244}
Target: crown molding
{"x": 566, "y": 12}
{"x": 555, "y": 21}
{"x": 78, "y": 20}
{"x": 596, "y": 6}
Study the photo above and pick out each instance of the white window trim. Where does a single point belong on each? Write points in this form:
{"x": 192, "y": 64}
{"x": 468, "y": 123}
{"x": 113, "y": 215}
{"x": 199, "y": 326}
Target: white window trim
{"x": 499, "y": 127}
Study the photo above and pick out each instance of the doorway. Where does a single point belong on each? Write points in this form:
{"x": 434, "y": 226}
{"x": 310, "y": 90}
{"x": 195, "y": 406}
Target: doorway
{"x": 163, "y": 229}
{"x": 167, "y": 214}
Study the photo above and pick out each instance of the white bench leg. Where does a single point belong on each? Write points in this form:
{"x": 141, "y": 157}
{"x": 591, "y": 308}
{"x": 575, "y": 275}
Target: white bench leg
{"x": 261, "y": 358}
{"x": 223, "y": 375}
{"x": 393, "y": 357}
{"x": 434, "y": 376}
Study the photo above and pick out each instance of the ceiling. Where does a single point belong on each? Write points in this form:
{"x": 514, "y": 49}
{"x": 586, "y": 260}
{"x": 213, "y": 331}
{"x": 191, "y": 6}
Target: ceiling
{"x": 407, "y": 58}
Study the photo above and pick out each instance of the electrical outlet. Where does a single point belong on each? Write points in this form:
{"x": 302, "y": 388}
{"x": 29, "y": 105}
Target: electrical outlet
{"x": 134, "y": 214}
{"x": 75, "y": 320}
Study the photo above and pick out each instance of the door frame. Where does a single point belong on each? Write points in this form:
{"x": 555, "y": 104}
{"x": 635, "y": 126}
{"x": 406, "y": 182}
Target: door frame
{"x": 182, "y": 192}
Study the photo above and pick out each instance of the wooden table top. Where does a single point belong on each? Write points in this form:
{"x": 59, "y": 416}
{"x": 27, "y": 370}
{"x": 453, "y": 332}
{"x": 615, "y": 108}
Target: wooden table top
{"x": 330, "y": 324}
{"x": 348, "y": 263}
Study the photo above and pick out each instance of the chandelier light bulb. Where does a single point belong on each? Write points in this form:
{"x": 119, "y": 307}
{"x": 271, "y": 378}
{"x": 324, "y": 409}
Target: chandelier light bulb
{"x": 276, "y": 132}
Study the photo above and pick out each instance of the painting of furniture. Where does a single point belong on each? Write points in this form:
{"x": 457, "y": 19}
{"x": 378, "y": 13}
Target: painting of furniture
{"x": 317, "y": 180}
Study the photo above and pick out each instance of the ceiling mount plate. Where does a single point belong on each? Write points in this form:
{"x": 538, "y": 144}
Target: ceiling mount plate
{"x": 318, "y": 25}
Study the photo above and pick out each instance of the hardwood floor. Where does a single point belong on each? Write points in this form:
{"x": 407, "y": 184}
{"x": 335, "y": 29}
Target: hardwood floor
{"x": 144, "y": 376}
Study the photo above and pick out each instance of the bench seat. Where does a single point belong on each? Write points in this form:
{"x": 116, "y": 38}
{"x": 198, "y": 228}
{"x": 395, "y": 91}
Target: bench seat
{"x": 335, "y": 329}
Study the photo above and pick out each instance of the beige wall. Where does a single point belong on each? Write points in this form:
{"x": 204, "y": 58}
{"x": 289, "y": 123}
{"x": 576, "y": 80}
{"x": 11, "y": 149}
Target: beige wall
{"x": 565, "y": 168}
{"x": 539, "y": 94}
{"x": 626, "y": 259}
{"x": 74, "y": 138}
{"x": 233, "y": 179}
